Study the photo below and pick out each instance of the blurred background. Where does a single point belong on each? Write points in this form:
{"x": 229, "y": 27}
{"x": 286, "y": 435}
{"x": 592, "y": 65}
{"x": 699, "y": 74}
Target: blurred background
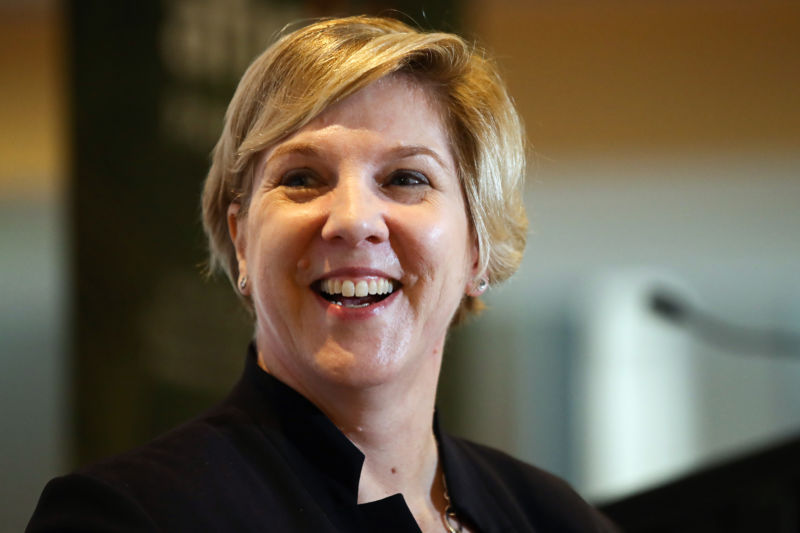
{"x": 665, "y": 142}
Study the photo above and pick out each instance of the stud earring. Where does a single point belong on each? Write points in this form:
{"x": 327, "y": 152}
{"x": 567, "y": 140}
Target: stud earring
{"x": 243, "y": 283}
{"x": 478, "y": 287}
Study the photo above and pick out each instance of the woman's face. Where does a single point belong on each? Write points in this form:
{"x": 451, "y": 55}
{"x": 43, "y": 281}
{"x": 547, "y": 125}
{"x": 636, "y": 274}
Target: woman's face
{"x": 356, "y": 243}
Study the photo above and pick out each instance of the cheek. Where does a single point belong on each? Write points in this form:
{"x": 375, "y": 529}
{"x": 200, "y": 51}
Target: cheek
{"x": 276, "y": 240}
{"x": 440, "y": 248}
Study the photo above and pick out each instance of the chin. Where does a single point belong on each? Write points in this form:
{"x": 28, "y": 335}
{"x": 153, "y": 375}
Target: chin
{"x": 359, "y": 367}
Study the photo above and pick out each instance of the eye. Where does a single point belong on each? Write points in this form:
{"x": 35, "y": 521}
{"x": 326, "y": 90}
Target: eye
{"x": 407, "y": 178}
{"x": 300, "y": 178}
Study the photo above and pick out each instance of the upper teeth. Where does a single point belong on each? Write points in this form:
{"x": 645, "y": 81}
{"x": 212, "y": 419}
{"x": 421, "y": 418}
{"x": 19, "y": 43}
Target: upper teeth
{"x": 358, "y": 288}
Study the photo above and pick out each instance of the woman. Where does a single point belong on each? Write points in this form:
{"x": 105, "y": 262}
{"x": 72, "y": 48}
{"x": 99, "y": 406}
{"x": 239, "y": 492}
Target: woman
{"x": 364, "y": 193}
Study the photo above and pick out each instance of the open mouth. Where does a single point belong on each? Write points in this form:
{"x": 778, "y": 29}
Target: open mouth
{"x": 355, "y": 293}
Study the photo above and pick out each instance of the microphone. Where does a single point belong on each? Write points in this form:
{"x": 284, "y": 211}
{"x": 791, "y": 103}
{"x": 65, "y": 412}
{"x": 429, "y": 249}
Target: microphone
{"x": 720, "y": 333}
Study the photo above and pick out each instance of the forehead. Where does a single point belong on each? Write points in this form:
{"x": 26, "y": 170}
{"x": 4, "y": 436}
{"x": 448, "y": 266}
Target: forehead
{"x": 391, "y": 113}
{"x": 383, "y": 98}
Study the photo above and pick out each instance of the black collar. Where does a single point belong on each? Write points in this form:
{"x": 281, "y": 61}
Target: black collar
{"x": 321, "y": 454}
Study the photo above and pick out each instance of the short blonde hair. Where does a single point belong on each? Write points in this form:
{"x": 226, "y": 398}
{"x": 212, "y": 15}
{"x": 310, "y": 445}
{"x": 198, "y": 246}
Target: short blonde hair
{"x": 305, "y": 71}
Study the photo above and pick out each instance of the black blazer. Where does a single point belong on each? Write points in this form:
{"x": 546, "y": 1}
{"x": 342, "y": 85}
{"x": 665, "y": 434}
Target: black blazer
{"x": 266, "y": 459}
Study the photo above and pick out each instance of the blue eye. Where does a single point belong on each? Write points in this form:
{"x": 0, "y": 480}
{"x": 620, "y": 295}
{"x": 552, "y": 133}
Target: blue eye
{"x": 407, "y": 178}
{"x": 299, "y": 178}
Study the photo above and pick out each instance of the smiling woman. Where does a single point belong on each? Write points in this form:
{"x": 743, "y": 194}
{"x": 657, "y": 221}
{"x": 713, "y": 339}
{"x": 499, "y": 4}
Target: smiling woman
{"x": 363, "y": 195}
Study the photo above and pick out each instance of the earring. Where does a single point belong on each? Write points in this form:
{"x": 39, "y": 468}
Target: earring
{"x": 478, "y": 287}
{"x": 243, "y": 283}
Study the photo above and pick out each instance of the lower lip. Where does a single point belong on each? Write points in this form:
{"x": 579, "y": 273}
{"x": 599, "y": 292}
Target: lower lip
{"x": 355, "y": 313}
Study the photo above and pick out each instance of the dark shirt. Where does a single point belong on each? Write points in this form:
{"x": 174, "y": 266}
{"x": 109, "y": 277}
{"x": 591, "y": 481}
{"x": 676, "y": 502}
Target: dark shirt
{"x": 267, "y": 459}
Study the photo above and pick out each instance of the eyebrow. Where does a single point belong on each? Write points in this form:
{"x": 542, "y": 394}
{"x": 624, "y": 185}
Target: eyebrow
{"x": 312, "y": 150}
{"x": 294, "y": 148}
{"x": 413, "y": 150}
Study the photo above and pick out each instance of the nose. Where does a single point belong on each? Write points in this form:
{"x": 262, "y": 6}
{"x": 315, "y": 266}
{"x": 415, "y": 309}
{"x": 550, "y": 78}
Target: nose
{"x": 355, "y": 213}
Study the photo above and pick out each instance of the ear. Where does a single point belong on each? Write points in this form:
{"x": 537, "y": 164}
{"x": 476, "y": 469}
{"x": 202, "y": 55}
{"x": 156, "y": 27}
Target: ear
{"x": 477, "y": 284}
{"x": 237, "y": 234}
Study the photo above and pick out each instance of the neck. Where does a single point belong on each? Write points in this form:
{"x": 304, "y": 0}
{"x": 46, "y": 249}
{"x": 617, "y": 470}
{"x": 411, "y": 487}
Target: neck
{"x": 398, "y": 444}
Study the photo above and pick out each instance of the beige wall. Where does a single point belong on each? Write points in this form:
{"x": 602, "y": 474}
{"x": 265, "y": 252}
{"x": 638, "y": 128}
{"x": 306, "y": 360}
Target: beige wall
{"x": 654, "y": 75}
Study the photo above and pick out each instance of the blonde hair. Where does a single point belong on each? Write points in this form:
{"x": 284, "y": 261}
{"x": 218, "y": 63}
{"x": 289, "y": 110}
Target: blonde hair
{"x": 305, "y": 71}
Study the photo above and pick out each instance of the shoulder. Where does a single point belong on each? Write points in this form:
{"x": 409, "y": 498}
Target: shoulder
{"x": 78, "y": 502}
{"x": 514, "y": 475}
{"x": 179, "y": 458}
{"x": 170, "y": 482}
{"x": 542, "y": 500}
